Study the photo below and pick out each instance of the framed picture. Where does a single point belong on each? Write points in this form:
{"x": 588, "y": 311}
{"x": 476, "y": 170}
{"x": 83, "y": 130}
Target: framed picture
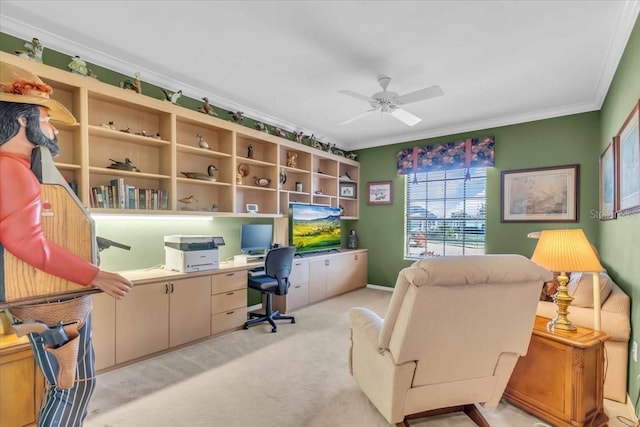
{"x": 348, "y": 190}
{"x": 607, "y": 184}
{"x": 540, "y": 195}
{"x": 380, "y": 193}
{"x": 627, "y": 150}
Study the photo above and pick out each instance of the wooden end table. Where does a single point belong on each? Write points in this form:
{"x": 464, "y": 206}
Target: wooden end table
{"x": 560, "y": 380}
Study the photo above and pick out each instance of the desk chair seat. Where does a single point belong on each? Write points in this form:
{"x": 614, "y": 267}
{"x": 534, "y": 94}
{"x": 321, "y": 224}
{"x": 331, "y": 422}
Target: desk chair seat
{"x": 277, "y": 268}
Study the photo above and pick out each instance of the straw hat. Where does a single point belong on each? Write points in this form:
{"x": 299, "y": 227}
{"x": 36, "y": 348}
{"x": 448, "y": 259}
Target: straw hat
{"x": 24, "y": 87}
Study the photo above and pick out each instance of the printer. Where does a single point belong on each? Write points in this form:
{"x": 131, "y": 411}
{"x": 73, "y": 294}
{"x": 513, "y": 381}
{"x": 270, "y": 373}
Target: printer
{"x": 189, "y": 253}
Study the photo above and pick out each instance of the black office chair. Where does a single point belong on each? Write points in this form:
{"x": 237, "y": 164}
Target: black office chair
{"x": 277, "y": 268}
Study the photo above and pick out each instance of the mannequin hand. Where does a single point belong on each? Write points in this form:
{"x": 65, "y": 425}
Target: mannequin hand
{"x": 112, "y": 284}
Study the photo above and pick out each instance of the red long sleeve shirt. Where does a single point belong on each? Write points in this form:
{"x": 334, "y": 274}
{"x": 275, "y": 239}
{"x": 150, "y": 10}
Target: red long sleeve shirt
{"x": 21, "y": 231}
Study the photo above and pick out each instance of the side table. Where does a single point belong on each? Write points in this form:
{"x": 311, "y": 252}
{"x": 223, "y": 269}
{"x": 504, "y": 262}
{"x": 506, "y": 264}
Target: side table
{"x": 561, "y": 378}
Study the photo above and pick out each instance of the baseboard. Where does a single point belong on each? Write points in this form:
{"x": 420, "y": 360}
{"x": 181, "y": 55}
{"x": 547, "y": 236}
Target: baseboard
{"x": 254, "y": 307}
{"x": 380, "y": 288}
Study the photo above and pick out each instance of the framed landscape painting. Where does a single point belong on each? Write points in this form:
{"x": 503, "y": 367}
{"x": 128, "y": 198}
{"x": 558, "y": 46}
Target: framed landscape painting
{"x": 627, "y": 151}
{"x": 547, "y": 194}
{"x": 607, "y": 184}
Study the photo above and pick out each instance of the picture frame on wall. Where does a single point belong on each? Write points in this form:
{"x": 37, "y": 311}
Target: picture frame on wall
{"x": 627, "y": 151}
{"x": 548, "y": 194}
{"x": 607, "y": 181}
{"x": 380, "y": 193}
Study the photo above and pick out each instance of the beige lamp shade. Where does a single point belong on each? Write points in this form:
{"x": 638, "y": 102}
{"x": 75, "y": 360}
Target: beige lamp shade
{"x": 565, "y": 251}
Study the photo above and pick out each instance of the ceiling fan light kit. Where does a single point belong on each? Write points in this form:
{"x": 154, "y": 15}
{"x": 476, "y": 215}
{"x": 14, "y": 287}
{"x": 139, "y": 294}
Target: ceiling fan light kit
{"x": 388, "y": 102}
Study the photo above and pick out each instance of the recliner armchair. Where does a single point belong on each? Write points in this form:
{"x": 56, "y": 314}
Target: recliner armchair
{"x": 452, "y": 334}
{"x": 277, "y": 268}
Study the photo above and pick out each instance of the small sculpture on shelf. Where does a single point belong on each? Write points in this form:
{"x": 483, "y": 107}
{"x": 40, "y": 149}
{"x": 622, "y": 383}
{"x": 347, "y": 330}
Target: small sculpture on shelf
{"x": 126, "y": 130}
{"x": 211, "y": 170}
{"x": 261, "y": 182}
{"x": 260, "y": 127}
{"x": 33, "y": 50}
{"x": 188, "y": 201}
{"x": 345, "y": 176}
{"x": 250, "y": 151}
{"x": 279, "y": 132}
{"x": 237, "y": 116}
{"x": 337, "y": 151}
{"x": 142, "y": 133}
{"x": 109, "y": 125}
{"x": 292, "y": 159}
{"x": 206, "y": 108}
{"x": 298, "y": 137}
{"x": 202, "y": 143}
{"x": 352, "y": 156}
{"x": 172, "y": 96}
{"x": 124, "y": 166}
{"x": 135, "y": 84}
{"x": 78, "y": 66}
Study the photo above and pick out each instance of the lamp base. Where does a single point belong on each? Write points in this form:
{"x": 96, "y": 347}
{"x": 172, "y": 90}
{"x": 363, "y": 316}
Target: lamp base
{"x": 563, "y": 300}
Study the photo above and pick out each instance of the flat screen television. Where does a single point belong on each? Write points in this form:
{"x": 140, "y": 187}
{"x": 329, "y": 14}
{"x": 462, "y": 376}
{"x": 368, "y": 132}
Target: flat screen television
{"x": 256, "y": 239}
{"x": 314, "y": 228}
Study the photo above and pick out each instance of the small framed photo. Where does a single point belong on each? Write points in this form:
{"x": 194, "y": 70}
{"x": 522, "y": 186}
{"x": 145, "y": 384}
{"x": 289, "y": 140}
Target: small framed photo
{"x": 540, "y": 195}
{"x": 627, "y": 152}
{"x": 348, "y": 190}
{"x": 380, "y": 193}
{"x": 608, "y": 194}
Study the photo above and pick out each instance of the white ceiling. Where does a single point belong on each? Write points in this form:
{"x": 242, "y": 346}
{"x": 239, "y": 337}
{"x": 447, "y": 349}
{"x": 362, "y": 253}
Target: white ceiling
{"x": 283, "y": 62}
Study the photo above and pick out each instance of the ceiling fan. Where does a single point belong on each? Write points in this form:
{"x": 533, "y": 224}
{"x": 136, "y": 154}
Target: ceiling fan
{"x": 389, "y": 102}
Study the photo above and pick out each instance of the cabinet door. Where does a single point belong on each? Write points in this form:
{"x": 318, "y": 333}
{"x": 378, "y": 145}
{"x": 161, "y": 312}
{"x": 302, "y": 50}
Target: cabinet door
{"x": 318, "y": 279}
{"x": 18, "y": 404}
{"x": 103, "y": 317}
{"x": 340, "y": 274}
{"x": 189, "y": 309}
{"x": 142, "y": 321}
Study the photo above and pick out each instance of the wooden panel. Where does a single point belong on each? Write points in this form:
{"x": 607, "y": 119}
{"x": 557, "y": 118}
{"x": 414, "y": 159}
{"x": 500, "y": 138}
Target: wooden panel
{"x": 225, "y": 282}
{"x": 189, "y": 310}
{"x": 228, "y": 301}
{"x": 317, "y": 280}
{"x": 297, "y": 297}
{"x": 231, "y": 319}
{"x": 23, "y": 281}
{"x": 18, "y": 404}
{"x": 104, "y": 330}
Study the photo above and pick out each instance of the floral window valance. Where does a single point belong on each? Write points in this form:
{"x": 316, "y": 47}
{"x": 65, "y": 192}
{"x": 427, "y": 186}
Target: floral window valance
{"x": 465, "y": 153}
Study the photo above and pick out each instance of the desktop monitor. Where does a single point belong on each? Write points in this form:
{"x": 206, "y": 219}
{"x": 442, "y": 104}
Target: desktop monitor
{"x": 256, "y": 239}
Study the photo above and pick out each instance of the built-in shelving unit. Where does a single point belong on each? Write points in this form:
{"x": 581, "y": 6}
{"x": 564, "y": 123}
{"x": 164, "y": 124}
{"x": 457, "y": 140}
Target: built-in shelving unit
{"x": 169, "y": 145}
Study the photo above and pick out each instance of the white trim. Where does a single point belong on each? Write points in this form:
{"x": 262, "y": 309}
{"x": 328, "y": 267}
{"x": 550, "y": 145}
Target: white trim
{"x": 254, "y": 307}
{"x": 631, "y": 410}
{"x": 380, "y": 288}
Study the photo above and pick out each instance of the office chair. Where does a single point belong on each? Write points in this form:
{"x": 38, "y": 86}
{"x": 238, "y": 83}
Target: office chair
{"x": 277, "y": 268}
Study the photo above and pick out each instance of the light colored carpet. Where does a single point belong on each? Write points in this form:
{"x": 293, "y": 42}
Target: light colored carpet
{"x": 294, "y": 378}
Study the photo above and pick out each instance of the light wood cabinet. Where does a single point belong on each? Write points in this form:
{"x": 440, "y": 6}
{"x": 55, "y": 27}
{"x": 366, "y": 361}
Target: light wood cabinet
{"x": 21, "y": 386}
{"x": 318, "y": 272}
{"x": 162, "y": 141}
{"x": 228, "y": 301}
{"x": 189, "y": 310}
{"x": 298, "y": 295}
{"x": 103, "y": 322}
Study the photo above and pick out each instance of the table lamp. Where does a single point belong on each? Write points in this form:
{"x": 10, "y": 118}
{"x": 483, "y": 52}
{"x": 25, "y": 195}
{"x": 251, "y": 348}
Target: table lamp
{"x": 568, "y": 251}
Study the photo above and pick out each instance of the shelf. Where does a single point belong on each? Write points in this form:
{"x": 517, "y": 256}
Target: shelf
{"x": 294, "y": 170}
{"x": 202, "y": 181}
{"x": 123, "y": 173}
{"x": 127, "y": 137}
{"x": 201, "y": 151}
{"x": 67, "y": 166}
{"x": 254, "y": 187}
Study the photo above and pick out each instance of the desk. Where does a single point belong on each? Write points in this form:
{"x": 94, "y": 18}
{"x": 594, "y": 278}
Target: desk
{"x": 560, "y": 380}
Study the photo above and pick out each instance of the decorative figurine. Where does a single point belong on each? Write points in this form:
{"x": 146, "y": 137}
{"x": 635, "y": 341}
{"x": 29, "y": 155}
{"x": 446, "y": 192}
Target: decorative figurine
{"x": 188, "y": 201}
{"x": 352, "y": 156}
{"x": 126, "y": 130}
{"x": 202, "y": 143}
{"x": 352, "y": 239}
{"x": 279, "y": 132}
{"x": 262, "y": 182}
{"x": 237, "y": 116}
{"x": 260, "y": 126}
{"x": 250, "y": 152}
{"x": 142, "y": 133}
{"x": 239, "y": 178}
{"x": 110, "y": 125}
{"x": 135, "y": 84}
{"x": 125, "y": 166}
{"x": 292, "y": 159}
{"x": 78, "y": 66}
{"x": 211, "y": 169}
{"x": 345, "y": 176}
{"x": 283, "y": 177}
{"x": 206, "y": 108}
{"x": 172, "y": 96}
{"x": 298, "y": 136}
{"x": 337, "y": 151}
{"x": 33, "y": 52}
{"x": 312, "y": 141}
{"x": 91, "y": 74}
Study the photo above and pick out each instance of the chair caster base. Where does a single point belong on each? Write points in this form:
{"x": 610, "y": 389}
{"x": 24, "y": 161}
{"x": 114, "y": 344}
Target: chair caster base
{"x": 274, "y": 330}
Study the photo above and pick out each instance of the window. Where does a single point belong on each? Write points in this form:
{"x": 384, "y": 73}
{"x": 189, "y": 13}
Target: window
{"x": 444, "y": 214}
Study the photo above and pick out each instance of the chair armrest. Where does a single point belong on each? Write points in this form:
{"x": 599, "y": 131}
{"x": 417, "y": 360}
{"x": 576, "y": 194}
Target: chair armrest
{"x": 368, "y": 322}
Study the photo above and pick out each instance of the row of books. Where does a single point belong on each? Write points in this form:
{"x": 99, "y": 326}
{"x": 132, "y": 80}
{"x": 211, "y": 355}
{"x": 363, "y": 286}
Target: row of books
{"x": 119, "y": 195}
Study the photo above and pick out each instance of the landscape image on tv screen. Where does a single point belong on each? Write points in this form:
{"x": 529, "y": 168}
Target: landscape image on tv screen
{"x": 314, "y": 227}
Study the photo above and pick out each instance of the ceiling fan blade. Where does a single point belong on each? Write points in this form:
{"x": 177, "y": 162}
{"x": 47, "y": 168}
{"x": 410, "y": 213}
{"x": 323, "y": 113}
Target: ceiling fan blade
{"x": 353, "y": 119}
{"x": 357, "y": 95}
{"x": 420, "y": 95}
{"x": 405, "y": 117}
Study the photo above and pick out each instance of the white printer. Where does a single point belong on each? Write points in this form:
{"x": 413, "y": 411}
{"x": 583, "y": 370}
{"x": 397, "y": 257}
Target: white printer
{"x": 189, "y": 253}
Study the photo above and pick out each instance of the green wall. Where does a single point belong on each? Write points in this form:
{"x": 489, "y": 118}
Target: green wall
{"x": 620, "y": 238}
{"x": 561, "y": 141}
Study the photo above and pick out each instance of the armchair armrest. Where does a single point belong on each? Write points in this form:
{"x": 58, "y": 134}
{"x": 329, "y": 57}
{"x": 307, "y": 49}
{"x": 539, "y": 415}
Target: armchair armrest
{"x": 368, "y": 322}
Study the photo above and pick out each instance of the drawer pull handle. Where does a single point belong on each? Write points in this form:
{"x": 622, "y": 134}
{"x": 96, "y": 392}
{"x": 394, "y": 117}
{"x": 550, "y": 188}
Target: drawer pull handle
{"x": 298, "y": 286}
{"x": 230, "y": 293}
{"x": 231, "y": 274}
{"x": 230, "y": 312}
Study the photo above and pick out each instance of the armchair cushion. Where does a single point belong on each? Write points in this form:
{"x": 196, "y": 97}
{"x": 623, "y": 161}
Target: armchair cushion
{"x": 580, "y": 287}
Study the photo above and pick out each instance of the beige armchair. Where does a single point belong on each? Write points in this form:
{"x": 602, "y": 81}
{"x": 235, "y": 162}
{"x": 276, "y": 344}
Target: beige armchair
{"x": 452, "y": 334}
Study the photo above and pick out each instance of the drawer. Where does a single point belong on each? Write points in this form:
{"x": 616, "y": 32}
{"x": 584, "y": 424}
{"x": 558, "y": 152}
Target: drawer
{"x": 299, "y": 271}
{"x": 298, "y": 296}
{"x": 228, "y": 320}
{"x": 226, "y": 282}
{"x": 228, "y": 301}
